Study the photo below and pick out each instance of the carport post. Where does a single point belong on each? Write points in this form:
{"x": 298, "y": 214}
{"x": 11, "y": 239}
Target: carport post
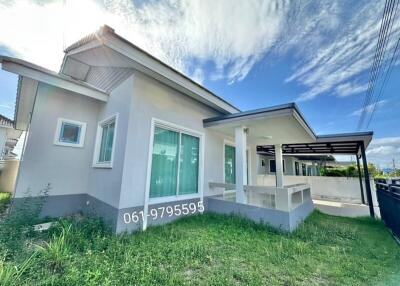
{"x": 278, "y": 166}
{"x": 241, "y": 163}
{"x": 360, "y": 179}
{"x": 367, "y": 184}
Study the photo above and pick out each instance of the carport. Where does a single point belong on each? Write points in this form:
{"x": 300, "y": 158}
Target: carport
{"x": 334, "y": 144}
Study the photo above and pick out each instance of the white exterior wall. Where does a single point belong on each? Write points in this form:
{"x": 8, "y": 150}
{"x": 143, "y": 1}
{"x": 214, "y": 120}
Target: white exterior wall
{"x": 66, "y": 169}
{"x": 262, "y": 170}
{"x": 152, "y": 99}
{"x": 105, "y": 183}
{"x": 3, "y": 139}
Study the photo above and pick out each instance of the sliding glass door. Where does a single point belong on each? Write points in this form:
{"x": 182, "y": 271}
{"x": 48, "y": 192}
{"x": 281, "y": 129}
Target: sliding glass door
{"x": 230, "y": 164}
{"x": 175, "y": 163}
{"x": 230, "y": 167}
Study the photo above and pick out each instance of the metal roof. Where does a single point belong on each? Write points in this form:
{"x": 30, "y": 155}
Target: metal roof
{"x": 341, "y": 147}
{"x": 4, "y": 121}
{"x": 49, "y": 72}
{"x": 251, "y": 113}
{"x": 110, "y": 31}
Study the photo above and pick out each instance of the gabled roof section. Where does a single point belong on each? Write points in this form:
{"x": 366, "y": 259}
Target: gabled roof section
{"x": 41, "y": 74}
{"x": 262, "y": 112}
{"x": 106, "y": 43}
{"x": 6, "y": 122}
{"x": 29, "y": 77}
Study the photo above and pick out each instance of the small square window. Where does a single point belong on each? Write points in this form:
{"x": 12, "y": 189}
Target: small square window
{"x": 70, "y": 133}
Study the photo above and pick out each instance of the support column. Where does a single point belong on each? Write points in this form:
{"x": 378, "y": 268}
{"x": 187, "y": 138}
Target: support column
{"x": 278, "y": 165}
{"x": 360, "y": 179}
{"x": 367, "y": 185}
{"x": 241, "y": 163}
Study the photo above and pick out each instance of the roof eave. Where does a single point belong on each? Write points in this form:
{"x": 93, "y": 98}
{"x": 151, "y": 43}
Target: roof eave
{"x": 40, "y": 74}
{"x": 106, "y": 36}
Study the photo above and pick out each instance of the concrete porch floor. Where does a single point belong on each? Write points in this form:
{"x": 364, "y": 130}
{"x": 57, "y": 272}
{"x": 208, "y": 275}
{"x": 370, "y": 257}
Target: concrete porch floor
{"x": 343, "y": 209}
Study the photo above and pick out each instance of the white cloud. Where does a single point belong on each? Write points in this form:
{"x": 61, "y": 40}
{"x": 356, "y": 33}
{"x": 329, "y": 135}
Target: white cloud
{"x": 331, "y": 61}
{"x": 330, "y": 42}
{"x": 232, "y": 36}
{"x": 382, "y": 151}
{"x": 350, "y": 88}
{"x": 369, "y": 108}
{"x": 8, "y": 106}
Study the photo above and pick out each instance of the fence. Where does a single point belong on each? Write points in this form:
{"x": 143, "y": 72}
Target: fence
{"x": 388, "y": 193}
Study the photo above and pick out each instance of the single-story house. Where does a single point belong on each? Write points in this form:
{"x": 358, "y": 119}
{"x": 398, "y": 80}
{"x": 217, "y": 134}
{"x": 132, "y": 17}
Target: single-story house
{"x": 118, "y": 133}
{"x": 8, "y": 139}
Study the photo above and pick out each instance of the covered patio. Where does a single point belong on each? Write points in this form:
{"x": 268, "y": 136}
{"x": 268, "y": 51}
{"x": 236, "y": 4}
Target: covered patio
{"x": 275, "y": 131}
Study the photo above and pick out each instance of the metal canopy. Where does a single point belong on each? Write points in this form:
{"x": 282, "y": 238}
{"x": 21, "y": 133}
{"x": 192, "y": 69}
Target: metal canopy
{"x": 341, "y": 147}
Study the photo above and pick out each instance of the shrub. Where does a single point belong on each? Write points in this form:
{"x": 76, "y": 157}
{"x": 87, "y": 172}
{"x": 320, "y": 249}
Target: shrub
{"x": 17, "y": 226}
{"x": 56, "y": 251}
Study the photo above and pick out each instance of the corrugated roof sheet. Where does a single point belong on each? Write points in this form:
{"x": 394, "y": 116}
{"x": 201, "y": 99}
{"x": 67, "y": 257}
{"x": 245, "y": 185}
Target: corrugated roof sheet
{"x": 4, "y": 121}
{"x": 107, "y": 78}
{"x": 108, "y": 30}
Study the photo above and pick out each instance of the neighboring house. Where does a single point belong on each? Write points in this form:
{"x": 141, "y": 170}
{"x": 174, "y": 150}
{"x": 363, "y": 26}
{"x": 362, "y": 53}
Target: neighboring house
{"x": 8, "y": 138}
{"x": 8, "y": 159}
{"x": 118, "y": 132}
{"x": 300, "y": 165}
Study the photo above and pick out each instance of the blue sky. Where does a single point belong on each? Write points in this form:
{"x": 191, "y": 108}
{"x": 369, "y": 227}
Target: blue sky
{"x": 252, "y": 53}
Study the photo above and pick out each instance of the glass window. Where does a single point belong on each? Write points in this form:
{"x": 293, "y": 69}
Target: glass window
{"x": 304, "y": 169}
{"x": 272, "y": 166}
{"x": 70, "y": 133}
{"x": 175, "y": 163}
{"x": 189, "y": 164}
{"x": 230, "y": 167}
{"x": 107, "y": 140}
{"x": 297, "y": 167}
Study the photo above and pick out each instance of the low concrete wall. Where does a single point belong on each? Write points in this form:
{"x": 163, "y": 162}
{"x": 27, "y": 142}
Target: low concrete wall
{"x": 284, "y": 221}
{"x": 330, "y": 188}
{"x": 8, "y": 176}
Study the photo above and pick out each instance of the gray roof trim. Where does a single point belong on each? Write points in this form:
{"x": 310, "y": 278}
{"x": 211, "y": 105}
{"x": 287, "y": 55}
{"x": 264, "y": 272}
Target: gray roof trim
{"x": 289, "y": 106}
{"x": 340, "y": 135}
{"x": 49, "y": 72}
{"x": 104, "y": 30}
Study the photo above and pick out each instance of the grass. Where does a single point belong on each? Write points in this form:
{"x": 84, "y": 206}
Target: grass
{"x": 4, "y": 201}
{"x": 209, "y": 249}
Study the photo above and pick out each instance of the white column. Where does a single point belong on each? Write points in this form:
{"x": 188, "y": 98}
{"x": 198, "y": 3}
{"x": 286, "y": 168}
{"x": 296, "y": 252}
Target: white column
{"x": 241, "y": 162}
{"x": 279, "y": 165}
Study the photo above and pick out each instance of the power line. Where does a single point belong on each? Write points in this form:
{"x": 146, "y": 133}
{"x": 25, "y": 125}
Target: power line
{"x": 388, "y": 73}
{"x": 377, "y": 59}
{"x": 380, "y": 51}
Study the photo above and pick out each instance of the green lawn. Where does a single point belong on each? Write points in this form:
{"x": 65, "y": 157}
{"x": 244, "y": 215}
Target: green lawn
{"x": 4, "y": 200}
{"x": 208, "y": 250}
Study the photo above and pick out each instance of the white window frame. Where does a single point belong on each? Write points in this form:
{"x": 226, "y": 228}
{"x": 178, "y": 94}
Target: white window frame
{"x": 96, "y": 163}
{"x": 82, "y": 134}
{"x": 232, "y": 144}
{"x": 177, "y": 128}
